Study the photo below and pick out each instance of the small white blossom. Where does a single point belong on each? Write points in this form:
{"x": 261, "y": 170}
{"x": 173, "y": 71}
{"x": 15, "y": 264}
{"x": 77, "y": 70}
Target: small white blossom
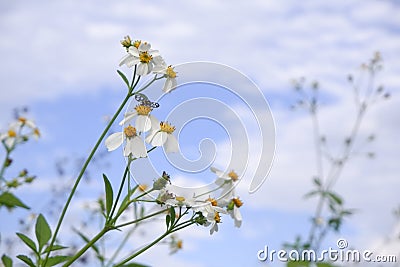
{"x": 144, "y": 121}
{"x": 134, "y": 144}
{"x": 162, "y": 136}
{"x": 141, "y": 55}
{"x": 170, "y": 75}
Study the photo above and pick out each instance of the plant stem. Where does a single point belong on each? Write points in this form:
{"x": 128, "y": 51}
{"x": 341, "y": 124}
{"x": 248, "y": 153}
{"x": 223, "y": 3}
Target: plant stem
{"x": 78, "y": 179}
{"x": 141, "y": 219}
{"x": 120, "y": 188}
{"x": 86, "y": 247}
{"x": 143, "y": 249}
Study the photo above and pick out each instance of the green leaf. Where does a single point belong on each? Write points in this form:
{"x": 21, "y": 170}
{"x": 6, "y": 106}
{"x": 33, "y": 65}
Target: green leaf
{"x": 167, "y": 220}
{"x": 312, "y": 193}
{"x": 42, "y": 230}
{"x": 29, "y": 242}
{"x": 325, "y": 264}
{"x": 336, "y": 198}
{"x": 123, "y": 78}
{"x": 173, "y": 215}
{"x": 87, "y": 240}
{"x": 51, "y": 261}
{"x": 134, "y": 264}
{"x": 7, "y": 261}
{"x": 10, "y": 201}
{"x": 109, "y": 195}
{"x": 26, "y": 259}
{"x": 54, "y": 248}
{"x": 317, "y": 181}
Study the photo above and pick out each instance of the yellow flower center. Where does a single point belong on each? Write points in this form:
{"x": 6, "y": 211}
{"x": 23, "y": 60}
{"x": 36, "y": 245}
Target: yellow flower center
{"x": 142, "y": 187}
{"x": 166, "y": 127}
{"x": 238, "y": 203}
{"x": 12, "y": 133}
{"x": 179, "y": 244}
{"x": 233, "y": 175}
{"x": 137, "y": 43}
{"x": 22, "y": 120}
{"x": 217, "y": 218}
{"x": 145, "y": 57}
{"x": 130, "y": 131}
{"x": 170, "y": 72}
{"x": 180, "y": 199}
{"x": 143, "y": 110}
{"x": 36, "y": 132}
{"x": 213, "y": 201}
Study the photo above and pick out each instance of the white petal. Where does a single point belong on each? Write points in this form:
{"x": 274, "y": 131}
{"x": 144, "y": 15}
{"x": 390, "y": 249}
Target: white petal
{"x": 138, "y": 147}
{"x": 134, "y": 51}
{"x": 155, "y": 123}
{"x": 237, "y": 216}
{"x": 171, "y": 145}
{"x": 143, "y": 69}
{"x": 159, "y": 62}
{"x": 144, "y": 47}
{"x": 10, "y": 142}
{"x": 30, "y": 124}
{"x": 143, "y": 123}
{"x": 154, "y": 53}
{"x": 114, "y": 141}
{"x": 159, "y": 139}
{"x": 218, "y": 172}
{"x": 128, "y": 116}
{"x": 151, "y": 136}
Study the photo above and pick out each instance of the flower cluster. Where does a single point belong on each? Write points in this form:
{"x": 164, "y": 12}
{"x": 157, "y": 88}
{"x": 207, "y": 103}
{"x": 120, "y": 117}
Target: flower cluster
{"x": 209, "y": 209}
{"x": 18, "y": 132}
{"x": 146, "y": 61}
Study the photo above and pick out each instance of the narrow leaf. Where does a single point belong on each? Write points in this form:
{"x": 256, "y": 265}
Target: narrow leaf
{"x": 173, "y": 215}
{"x": 10, "y": 201}
{"x": 26, "y": 259}
{"x": 51, "y": 261}
{"x": 167, "y": 220}
{"x": 7, "y": 261}
{"x": 336, "y": 198}
{"x": 54, "y": 248}
{"x": 29, "y": 242}
{"x": 298, "y": 264}
{"x": 87, "y": 240}
{"x": 123, "y": 78}
{"x": 42, "y": 230}
{"x": 109, "y": 195}
{"x": 310, "y": 194}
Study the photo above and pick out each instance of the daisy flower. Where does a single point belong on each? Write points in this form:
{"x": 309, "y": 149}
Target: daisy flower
{"x": 141, "y": 55}
{"x": 144, "y": 121}
{"x": 233, "y": 210}
{"x": 134, "y": 144}
{"x": 162, "y": 136}
{"x": 170, "y": 75}
{"x": 225, "y": 181}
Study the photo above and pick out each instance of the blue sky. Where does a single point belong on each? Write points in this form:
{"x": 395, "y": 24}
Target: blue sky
{"x": 60, "y": 59}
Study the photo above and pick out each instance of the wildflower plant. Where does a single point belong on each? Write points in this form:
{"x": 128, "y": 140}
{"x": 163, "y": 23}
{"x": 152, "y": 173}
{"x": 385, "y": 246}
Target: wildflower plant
{"x": 141, "y": 134}
{"x": 18, "y": 132}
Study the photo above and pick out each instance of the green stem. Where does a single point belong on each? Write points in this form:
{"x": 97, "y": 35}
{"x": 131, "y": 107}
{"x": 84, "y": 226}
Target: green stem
{"x": 86, "y": 247}
{"x": 120, "y": 188}
{"x": 161, "y": 237}
{"x": 141, "y": 219}
{"x": 78, "y": 179}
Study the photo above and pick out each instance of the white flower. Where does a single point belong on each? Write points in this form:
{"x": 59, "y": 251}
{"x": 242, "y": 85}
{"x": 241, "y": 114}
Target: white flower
{"x": 134, "y": 144}
{"x": 141, "y": 55}
{"x": 144, "y": 121}
{"x": 225, "y": 181}
{"x": 10, "y": 138}
{"x": 233, "y": 210}
{"x": 170, "y": 74}
{"x": 162, "y": 136}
